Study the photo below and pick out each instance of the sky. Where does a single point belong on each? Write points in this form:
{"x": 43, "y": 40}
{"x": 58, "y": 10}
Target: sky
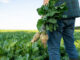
{"x": 21, "y": 14}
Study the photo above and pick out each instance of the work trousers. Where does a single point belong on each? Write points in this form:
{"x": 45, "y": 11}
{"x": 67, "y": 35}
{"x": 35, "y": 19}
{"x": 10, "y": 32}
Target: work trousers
{"x": 66, "y": 30}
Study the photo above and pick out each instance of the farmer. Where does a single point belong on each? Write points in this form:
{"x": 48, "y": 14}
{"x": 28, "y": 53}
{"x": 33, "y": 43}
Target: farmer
{"x": 65, "y": 30}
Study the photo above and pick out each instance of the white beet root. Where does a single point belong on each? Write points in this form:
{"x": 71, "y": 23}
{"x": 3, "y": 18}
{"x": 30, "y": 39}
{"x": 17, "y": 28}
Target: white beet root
{"x": 44, "y": 38}
{"x": 35, "y": 37}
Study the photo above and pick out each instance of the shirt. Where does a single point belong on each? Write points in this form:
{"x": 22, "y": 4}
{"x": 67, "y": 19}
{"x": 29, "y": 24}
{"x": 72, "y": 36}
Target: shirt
{"x": 73, "y": 8}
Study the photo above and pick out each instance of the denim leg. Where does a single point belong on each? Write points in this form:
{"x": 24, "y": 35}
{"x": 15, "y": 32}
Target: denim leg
{"x": 54, "y": 43}
{"x": 68, "y": 38}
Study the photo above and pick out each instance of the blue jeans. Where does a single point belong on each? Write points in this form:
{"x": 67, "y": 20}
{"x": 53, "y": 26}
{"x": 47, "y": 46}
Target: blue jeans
{"x": 65, "y": 30}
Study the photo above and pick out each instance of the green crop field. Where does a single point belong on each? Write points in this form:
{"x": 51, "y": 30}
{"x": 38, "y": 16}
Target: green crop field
{"x": 16, "y": 45}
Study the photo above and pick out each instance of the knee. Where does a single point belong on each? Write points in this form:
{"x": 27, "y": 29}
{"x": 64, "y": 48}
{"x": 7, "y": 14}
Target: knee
{"x": 70, "y": 48}
{"x": 54, "y": 51}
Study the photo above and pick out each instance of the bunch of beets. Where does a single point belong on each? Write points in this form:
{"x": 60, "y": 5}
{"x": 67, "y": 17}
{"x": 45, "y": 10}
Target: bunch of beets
{"x": 50, "y": 14}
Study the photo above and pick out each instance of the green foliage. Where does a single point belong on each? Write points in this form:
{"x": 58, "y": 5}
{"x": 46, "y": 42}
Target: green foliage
{"x": 40, "y": 23}
{"x": 50, "y": 13}
{"x": 17, "y": 46}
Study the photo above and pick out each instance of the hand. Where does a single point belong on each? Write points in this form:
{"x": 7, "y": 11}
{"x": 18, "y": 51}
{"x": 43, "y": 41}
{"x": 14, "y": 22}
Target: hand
{"x": 45, "y": 2}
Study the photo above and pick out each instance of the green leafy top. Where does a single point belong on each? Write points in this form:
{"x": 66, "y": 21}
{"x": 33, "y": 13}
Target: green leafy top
{"x": 50, "y": 14}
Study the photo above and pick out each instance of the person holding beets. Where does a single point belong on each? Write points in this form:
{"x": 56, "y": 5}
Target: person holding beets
{"x": 65, "y": 30}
